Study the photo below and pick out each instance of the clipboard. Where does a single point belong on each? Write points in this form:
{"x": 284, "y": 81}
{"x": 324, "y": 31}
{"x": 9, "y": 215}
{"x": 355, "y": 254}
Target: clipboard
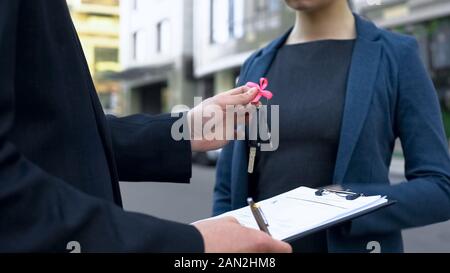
{"x": 303, "y": 211}
{"x": 339, "y": 222}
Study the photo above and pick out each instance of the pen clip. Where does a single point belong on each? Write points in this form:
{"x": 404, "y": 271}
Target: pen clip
{"x": 259, "y": 216}
{"x": 262, "y": 215}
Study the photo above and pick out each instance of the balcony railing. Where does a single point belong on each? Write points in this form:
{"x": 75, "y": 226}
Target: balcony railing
{"x": 107, "y": 7}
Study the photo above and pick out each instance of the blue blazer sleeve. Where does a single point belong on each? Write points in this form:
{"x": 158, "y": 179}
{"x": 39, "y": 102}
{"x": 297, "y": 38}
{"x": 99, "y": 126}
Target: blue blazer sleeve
{"x": 40, "y": 212}
{"x": 425, "y": 198}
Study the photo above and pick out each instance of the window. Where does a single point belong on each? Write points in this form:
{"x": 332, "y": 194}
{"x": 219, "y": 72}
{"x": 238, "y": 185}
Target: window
{"x": 105, "y": 54}
{"x": 227, "y": 20}
{"x": 274, "y": 5}
{"x": 267, "y": 5}
{"x": 261, "y": 5}
{"x": 237, "y": 18}
{"x": 106, "y": 100}
{"x": 101, "y": 2}
{"x": 134, "y": 42}
{"x": 440, "y": 40}
{"x": 138, "y": 46}
{"x": 106, "y": 61}
{"x": 163, "y": 36}
{"x": 220, "y": 32}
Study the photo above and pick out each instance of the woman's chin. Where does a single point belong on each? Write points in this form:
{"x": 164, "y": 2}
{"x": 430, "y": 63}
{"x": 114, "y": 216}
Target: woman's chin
{"x": 307, "y": 5}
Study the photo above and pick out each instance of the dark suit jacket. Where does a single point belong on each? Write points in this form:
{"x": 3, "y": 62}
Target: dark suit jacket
{"x": 61, "y": 159}
{"x": 389, "y": 96}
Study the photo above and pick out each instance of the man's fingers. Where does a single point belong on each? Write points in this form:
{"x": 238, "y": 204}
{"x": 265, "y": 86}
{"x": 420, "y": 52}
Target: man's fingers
{"x": 231, "y": 219}
{"x": 270, "y": 245}
{"x": 281, "y": 247}
{"x": 247, "y": 97}
{"x": 241, "y": 99}
{"x": 239, "y": 90}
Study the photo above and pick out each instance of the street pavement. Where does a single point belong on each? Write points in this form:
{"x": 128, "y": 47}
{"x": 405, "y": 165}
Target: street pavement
{"x": 191, "y": 202}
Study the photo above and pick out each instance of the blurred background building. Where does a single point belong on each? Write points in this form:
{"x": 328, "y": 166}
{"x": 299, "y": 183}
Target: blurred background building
{"x": 173, "y": 50}
{"x": 156, "y": 54}
{"x": 226, "y": 32}
{"x": 429, "y": 22}
{"x": 97, "y": 23}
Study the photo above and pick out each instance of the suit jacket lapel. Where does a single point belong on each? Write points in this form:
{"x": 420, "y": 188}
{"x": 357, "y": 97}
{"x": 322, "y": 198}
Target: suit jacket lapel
{"x": 362, "y": 78}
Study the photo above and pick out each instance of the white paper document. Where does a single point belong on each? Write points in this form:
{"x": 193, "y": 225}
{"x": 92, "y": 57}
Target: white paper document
{"x": 300, "y": 210}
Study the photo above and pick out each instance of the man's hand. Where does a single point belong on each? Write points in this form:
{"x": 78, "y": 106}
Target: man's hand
{"x": 226, "y": 235}
{"x": 214, "y": 111}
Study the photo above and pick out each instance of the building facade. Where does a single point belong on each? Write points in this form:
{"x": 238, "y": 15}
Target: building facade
{"x": 173, "y": 50}
{"x": 97, "y": 24}
{"x": 156, "y": 54}
{"x": 226, "y": 32}
{"x": 429, "y": 22}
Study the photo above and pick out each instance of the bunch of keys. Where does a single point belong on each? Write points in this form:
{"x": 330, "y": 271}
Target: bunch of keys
{"x": 255, "y": 144}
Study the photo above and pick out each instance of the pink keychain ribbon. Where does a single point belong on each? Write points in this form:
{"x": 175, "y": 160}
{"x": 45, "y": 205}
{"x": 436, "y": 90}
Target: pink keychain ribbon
{"x": 262, "y": 92}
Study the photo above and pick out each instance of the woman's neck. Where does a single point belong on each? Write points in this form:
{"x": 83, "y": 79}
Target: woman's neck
{"x": 335, "y": 21}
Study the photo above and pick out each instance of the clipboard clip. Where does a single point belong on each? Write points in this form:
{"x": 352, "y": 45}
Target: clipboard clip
{"x": 348, "y": 195}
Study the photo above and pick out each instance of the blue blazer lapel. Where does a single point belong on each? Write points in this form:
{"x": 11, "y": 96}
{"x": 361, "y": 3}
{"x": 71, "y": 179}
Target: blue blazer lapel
{"x": 360, "y": 87}
{"x": 239, "y": 176}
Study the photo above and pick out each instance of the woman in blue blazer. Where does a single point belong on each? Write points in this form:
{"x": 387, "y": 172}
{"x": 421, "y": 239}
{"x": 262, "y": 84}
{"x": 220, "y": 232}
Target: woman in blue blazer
{"x": 387, "y": 96}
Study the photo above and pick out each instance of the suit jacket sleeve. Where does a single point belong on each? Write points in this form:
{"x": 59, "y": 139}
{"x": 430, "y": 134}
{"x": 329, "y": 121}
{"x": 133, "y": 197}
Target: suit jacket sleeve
{"x": 145, "y": 150}
{"x": 40, "y": 212}
{"x": 425, "y": 198}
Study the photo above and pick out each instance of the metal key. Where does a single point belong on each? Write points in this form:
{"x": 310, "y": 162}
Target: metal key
{"x": 254, "y": 145}
{"x": 262, "y": 115}
{"x": 251, "y": 159}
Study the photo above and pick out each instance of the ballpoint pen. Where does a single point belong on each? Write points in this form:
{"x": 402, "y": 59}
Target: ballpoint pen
{"x": 259, "y": 216}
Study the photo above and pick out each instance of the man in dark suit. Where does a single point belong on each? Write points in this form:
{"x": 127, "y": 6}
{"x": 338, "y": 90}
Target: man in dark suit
{"x": 61, "y": 158}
